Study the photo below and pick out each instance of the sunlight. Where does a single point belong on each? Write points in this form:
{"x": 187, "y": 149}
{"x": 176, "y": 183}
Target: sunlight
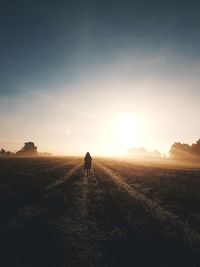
{"x": 126, "y": 132}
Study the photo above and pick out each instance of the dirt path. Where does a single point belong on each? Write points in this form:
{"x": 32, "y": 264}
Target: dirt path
{"x": 84, "y": 209}
{"x": 79, "y": 226}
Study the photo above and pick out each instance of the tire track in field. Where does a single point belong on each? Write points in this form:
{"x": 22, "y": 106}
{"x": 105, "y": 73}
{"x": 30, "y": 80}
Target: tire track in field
{"x": 33, "y": 207}
{"x": 63, "y": 212}
{"x": 66, "y": 177}
{"x": 84, "y": 209}
{"x": 76, "y": 232}
{"x": 164, "y": 216}
{"x": 27, "y": 172}
{"x": 82, "y": 233}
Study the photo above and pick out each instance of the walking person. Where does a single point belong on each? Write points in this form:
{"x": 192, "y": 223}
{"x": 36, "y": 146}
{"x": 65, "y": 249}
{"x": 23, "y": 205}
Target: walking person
{"x": 87, "y": 163}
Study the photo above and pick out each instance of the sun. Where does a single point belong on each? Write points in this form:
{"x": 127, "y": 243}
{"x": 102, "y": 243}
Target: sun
{"x": 126, "y": 132}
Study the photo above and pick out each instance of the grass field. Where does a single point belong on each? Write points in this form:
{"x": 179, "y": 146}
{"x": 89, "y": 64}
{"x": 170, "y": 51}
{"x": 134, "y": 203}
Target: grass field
{"x": 123, "y": 214}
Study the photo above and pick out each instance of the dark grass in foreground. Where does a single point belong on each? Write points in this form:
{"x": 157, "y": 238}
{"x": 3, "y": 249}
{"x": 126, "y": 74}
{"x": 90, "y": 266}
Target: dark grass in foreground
{"x": 176, "y": 189}
{"x": 94, "y": 222}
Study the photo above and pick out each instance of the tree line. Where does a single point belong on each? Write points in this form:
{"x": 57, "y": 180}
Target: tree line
{"x": 178, "y": 151}
{"x": 181, "y": 151}
{"x": 28, "y": 150}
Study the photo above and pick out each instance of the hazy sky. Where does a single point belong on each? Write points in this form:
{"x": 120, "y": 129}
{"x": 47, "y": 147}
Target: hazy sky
{"x": 99, "y": 76}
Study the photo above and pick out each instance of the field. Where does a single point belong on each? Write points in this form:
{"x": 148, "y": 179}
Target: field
{"x": 124, "y": 214}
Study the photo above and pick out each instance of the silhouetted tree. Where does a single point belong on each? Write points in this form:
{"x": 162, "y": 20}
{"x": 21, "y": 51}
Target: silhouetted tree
{"x": 195, "y": 148}
{"x": 2, "y": 152}
{"x": 181, "y": 151}
{"x": 29, "y": 149}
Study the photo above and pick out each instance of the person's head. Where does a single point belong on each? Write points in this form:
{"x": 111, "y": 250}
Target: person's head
{"x": 87, "y": 154}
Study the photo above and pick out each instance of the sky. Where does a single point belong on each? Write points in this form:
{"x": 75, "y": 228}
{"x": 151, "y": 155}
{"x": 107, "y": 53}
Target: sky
{"x": 99, "y": 76}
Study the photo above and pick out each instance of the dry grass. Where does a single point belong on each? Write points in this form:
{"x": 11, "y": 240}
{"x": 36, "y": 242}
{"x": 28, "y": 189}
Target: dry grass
{"x": 123, "y": 215}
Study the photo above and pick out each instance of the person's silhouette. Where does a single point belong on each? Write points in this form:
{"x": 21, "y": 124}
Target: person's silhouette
{"x": 87, "y": 163}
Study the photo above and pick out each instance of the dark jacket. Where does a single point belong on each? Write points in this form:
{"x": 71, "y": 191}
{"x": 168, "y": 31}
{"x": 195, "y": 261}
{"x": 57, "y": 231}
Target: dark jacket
{"x": 87, "y": 161}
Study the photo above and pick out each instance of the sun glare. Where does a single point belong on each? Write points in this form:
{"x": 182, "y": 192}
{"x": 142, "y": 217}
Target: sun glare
{"x": 126, "y": 132}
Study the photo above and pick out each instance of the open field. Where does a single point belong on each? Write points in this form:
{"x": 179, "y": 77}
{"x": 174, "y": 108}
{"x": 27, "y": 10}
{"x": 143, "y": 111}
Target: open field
{"x": 124, "y": 214}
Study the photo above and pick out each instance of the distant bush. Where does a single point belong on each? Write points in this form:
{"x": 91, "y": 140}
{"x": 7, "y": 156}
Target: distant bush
{"x": 3, "y": 152}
